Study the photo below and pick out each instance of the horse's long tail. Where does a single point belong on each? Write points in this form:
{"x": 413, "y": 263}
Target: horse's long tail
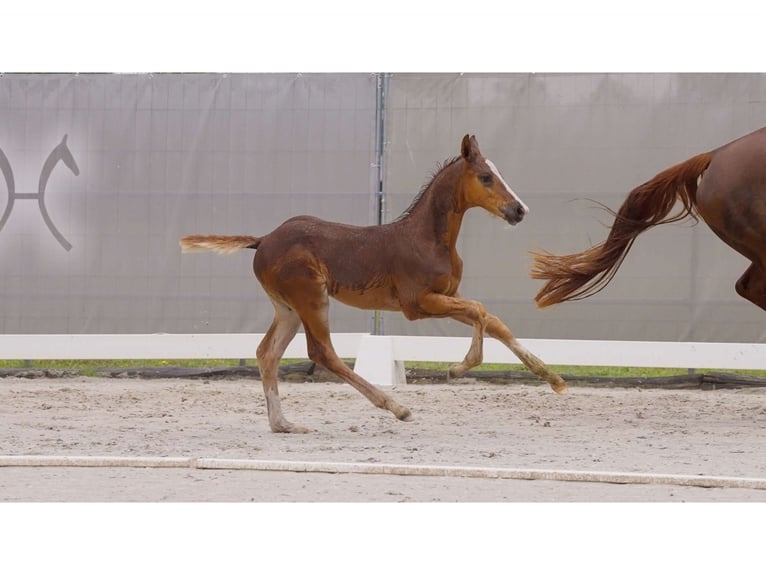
{"x": 220, "y": 243}
{"x": 580, "y": 275}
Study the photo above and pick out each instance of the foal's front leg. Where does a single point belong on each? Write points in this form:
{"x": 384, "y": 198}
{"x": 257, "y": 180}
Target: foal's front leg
{"x": 472, "y": 313}
{"x": 475, "y": 354}
{"x": 497, "y": 329}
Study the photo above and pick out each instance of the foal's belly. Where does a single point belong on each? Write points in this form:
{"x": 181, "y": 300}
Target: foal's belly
{"x": 376, "y": 298}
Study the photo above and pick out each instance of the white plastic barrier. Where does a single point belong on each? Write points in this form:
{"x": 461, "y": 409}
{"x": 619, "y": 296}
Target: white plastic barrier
{"x": 158, "y": 346}
{"x": 380, "y": 359}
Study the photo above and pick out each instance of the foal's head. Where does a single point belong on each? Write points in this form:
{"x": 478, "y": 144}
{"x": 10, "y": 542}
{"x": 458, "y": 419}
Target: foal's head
{"x": 483, "y": 186}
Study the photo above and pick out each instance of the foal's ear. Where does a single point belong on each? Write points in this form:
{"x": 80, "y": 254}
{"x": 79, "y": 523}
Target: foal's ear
{"x": 469, "y": 149}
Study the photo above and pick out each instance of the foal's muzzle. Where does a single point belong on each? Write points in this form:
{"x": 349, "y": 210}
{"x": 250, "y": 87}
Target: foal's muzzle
{"x": 514, "y": 212}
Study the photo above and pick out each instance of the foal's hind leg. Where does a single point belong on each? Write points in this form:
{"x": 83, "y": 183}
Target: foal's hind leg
{"x": 752, "y": 285}
{"x": 270, "y": 351}
{"x": 313, "y": 312}
{"x": 321, "y": 350}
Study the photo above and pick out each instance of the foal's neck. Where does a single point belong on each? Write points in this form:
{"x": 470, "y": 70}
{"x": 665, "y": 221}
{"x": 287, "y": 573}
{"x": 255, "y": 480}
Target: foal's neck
{"x": 438, "y": 210}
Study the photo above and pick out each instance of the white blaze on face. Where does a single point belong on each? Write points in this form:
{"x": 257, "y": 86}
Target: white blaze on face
{"x": 507, "y": 187}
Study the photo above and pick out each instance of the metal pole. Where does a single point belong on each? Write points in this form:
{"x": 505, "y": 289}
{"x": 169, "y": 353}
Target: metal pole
{"x": 380, "y": 144}
{"x": 694, "y": 303}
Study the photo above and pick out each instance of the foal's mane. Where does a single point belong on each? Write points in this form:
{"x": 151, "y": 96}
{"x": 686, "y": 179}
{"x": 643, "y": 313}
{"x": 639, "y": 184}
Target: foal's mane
{"x": 440, "y": 167}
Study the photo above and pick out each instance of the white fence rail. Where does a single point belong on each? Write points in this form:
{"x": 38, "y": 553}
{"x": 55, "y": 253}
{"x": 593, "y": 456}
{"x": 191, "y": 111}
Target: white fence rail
{"x": 380, "y": 359}
{"x": 157, "y": 346}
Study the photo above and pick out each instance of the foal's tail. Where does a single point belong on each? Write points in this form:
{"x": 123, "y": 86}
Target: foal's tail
{"x": 580, "y": 275}
{"x": 220, "y": 243}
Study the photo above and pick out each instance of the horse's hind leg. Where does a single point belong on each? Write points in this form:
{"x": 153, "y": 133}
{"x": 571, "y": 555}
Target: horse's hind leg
{"x": 752, "y": 285}
{"x": 270, "y": 351}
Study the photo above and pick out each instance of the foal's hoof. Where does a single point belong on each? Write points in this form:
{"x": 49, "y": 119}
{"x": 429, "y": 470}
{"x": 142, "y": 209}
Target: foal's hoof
{"x": 290, "y": 428}
{"x": 456, "y": 371}
{"x": 402, "y": 413}
{"x": 559, "y": 386}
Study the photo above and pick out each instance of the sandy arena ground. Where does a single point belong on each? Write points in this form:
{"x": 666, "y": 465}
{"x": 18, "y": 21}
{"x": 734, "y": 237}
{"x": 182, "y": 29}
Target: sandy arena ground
{"x": 690, "y": 432}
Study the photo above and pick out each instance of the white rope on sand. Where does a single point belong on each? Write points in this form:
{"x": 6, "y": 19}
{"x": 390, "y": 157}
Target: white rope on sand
{"x": 384, "y": 469}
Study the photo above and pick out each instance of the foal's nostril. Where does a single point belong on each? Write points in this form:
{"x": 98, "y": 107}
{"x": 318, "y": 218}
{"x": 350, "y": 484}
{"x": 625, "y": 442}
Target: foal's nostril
{"x": 517, "y": 213}
{"x": 514, "y": 213}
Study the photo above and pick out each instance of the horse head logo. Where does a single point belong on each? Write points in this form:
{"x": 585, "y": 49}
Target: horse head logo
{"x": 60, "y": 153}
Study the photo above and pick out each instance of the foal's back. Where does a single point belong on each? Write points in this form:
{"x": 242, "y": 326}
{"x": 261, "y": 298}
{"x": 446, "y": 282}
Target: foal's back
{"x": 354, "y": 263}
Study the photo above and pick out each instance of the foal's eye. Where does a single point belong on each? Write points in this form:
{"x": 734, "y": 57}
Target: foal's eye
{"x": 485, "y": 179}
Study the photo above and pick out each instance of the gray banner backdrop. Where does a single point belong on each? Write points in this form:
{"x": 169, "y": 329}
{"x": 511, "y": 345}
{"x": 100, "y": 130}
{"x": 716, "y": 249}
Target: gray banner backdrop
{"x": 561, "y": 138}
{"x": 161, "y": 156}
{"x": 91, "y": 246}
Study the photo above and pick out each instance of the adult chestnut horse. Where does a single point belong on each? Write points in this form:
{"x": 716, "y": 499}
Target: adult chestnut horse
{"x": 726, "y": 187}
{"x": 409, "y": 265}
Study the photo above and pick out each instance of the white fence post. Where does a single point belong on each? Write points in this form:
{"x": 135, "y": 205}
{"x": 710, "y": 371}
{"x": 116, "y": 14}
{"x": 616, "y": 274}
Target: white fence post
{"x": 375, "y": 361}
